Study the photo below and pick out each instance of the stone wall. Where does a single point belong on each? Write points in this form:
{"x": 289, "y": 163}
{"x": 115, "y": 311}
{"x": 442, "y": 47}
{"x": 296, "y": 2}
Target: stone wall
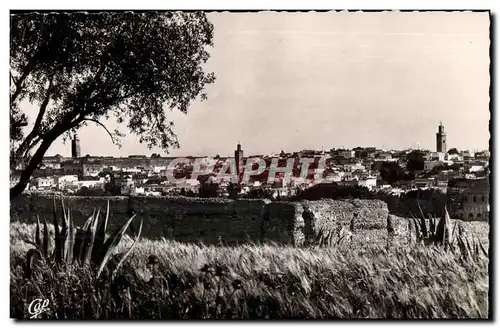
{"x": 330, "y": 214}
{"x": 212, "y": 219}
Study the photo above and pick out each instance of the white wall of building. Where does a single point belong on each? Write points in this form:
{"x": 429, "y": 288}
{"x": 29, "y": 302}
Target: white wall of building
{"x": 437, "y": 156}
{"x": 45, "y": 182}
{"x": 347, "y": 153}
{"x": 369, "y": 183}
{"x": 65, "y": 181}
{"x": 99, "y": 184}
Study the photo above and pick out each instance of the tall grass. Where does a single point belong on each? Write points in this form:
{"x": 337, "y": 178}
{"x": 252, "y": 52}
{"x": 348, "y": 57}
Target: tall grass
{"x": 338, "y": 277}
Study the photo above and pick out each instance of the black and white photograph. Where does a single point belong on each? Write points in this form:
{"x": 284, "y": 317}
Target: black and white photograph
{"x": 234, "y": 165}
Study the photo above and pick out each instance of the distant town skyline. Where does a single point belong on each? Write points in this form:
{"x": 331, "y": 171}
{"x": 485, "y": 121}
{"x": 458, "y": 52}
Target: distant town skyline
{"x": 225, "y": 154}
{"x": 294, "y": 81}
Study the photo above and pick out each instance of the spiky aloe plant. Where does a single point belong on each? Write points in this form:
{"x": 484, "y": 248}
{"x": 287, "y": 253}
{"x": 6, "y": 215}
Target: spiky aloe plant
{"x": 436, "y": 232}
{"x": 86, "y": 245}
{"x": 441, "y": 233}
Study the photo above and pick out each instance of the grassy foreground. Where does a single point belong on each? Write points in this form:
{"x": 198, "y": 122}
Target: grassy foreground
{"x": 170, "y": 280}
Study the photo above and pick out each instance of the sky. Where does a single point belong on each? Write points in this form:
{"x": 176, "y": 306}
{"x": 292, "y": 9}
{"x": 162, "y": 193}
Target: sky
{"x": 293, "y": 81}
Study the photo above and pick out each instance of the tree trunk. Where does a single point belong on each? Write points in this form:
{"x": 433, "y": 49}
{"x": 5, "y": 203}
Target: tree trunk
{"x": 32, "y": 165}
{"x": 64, "y": 125}
{"x": 18, "y": 189}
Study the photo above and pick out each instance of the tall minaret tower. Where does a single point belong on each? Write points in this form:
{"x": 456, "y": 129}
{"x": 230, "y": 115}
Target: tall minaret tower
{"x": 238, "y": 158}
{"x": 441, "y": 139}
{"x": 75, "y": 147}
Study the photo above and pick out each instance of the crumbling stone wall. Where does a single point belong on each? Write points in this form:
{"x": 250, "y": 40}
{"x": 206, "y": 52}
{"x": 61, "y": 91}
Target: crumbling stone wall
{"x": 212, "y": 219}
{"x": 284, "y": 223}
{"x": 328, "y": 214}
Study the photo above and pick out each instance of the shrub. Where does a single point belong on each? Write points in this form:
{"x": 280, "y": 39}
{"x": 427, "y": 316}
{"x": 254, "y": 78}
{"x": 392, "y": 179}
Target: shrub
{"x": 87, "y": 245}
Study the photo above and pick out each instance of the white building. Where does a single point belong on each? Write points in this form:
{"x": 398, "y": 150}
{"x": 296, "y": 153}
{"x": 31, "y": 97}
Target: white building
{"x": 133, "y": 170}
{"x": 127, "y": 181}
{"x": 455, "y": 157}
{"x": 152, "y": 193}
{"x": 283, "y": 192}
{"x": 132, "y": 190}
{"x": 256, "y": 184}
{"x": 97, "y": 184}
{"x": 354, "y": 167}
{"x": 335, "y": 176}
{"x": 158, "y": 169}
{"x": 397, "y": 191}
{"x": 347, "y": 153}
{"x": 386, "y": 186}
{"x": 92, "y": 169}
{"x": 44, "y": 183}
{"x": 385, "y": 156}
{"x": 65, "y": 181}
{"x": 50, "y": 165}
{"x": 476, "y": 168}
{"x": 369, "y": 182}
{"x": 467, "y": 153}
{"x": 437, "y": 156}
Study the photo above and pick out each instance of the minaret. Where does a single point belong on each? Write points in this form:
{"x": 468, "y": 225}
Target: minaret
{"x": 238, "y": 158}
{"x": 441, "y": 139}
{"x": 75, "y": 147}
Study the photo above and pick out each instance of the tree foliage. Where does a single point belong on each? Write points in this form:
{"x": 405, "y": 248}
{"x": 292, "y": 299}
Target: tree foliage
{"x": 208, "y": 190}
{"x": 81, "y": 68}
{"x": 334, "y": 191}
{"x": 233, "y": 190}
{"x": 92, "y": 192}
{"x": 415, "y": 161}
{"x": 392, "y": 172}
{"x": 259, "y": 193}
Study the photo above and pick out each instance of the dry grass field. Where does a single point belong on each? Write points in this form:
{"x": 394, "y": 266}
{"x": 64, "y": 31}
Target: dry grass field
{"x": 367, "y": 276}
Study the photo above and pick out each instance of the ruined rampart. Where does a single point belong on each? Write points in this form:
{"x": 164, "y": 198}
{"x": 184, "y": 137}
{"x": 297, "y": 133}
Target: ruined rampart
{"x": 212, "y": 219}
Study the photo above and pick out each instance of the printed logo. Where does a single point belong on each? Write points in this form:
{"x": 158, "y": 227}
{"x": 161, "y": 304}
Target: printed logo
{"x": 37, "y": 307}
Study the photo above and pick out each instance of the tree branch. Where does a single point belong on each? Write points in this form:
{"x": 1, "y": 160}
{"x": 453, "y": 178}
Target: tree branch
{"x": 34, "y": 161}
{"x": 43, "y": 107}
{"x": 113, "y": 139}
{"x": 20, "y": 80}
{"x": 18, "y": 124}
{"x": 27, "y": 143}
{"x": 12, "y": 78}
{"x": 28, "y": 147}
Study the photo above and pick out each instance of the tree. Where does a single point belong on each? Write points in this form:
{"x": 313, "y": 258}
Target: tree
{"x": 453, "y": 151}
{"x": 334, "y": 191}
{"x": 233, "y": 190}
{"x": 208, "y": 190}
{"x": 112, "y": 188}
{"x": 93, "y": 192}
{"x": 392, "y": 172}
{"x": 438, "y": 168}
{"x": 415, "y": 161}
{"x": 259, "y": 193}
{"x": 80, "y": 68}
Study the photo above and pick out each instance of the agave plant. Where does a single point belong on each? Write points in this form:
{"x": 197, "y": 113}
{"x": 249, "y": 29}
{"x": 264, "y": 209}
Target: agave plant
{"x": 436, "y": 232}
{"x": 441, "y": 233}
{"x": 86, "y": 245}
